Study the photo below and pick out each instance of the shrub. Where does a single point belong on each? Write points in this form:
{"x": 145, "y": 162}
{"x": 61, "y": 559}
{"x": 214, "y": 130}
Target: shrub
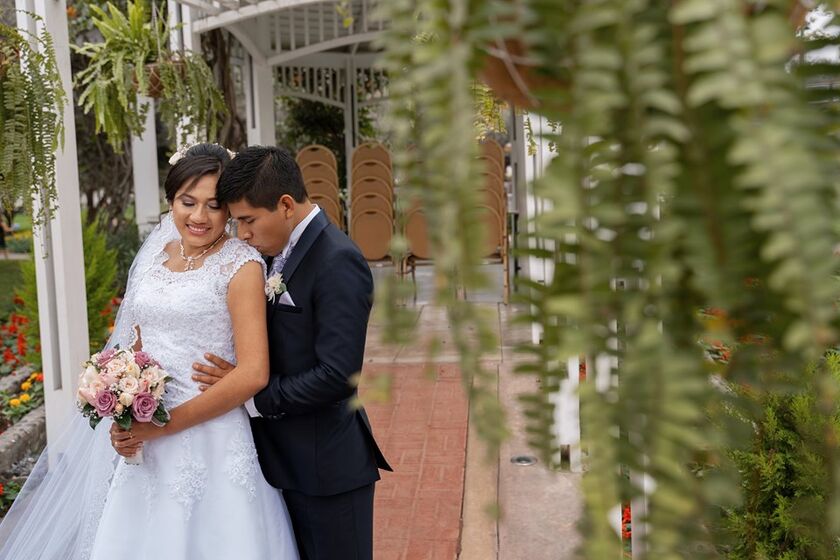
{"x": 100, "y": 276}
{"x": 785, "y": 509}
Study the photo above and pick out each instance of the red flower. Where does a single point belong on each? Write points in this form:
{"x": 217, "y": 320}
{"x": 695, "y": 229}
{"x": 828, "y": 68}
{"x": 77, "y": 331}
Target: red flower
{"x": 8, "y": 356}
{"x": 18, "y": 300}
{"x": 2, "y": 489}
{"x": 39, "y": 378}
{"x": 626, "y": 522}
{"x": 13, "y": 329}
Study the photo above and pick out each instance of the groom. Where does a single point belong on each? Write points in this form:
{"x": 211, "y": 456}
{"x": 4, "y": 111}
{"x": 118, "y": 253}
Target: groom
{"x": 311, "y": 441}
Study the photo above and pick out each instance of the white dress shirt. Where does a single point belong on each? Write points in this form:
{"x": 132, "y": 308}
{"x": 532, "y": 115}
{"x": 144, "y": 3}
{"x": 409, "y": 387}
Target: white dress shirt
{"x": 287, "y": 250}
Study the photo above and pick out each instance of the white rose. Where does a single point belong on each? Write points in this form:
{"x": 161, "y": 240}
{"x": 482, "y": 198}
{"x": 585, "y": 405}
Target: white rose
{"x": 90, "y": 375}
{"x": 157, "y": 392}
{"x": 133, "y": 369}
{"x": 96, "y": 385}
{"x": 116, "y": 366}
{"x": 152, "y": 373}
{"x": 126, "y": 399}
{"x": 130, "y": 385}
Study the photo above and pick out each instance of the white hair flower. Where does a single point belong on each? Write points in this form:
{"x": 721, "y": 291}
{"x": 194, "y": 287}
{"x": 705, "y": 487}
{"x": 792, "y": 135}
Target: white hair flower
{"x": 182, "y": 153}
{"x": 179, "y": 155}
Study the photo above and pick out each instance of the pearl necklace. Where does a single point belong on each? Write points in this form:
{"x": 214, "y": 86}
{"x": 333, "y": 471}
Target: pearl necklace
{"x": 191, "y": 260}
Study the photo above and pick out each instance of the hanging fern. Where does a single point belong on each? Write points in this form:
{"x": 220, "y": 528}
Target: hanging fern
{"x": 131, "y": 58}
{"x": 693, "y": 170}
{"x": 31, "y": 119}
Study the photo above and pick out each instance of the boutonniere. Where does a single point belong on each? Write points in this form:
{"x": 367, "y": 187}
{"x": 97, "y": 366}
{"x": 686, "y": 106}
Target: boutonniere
{"x": 274, "y": 286}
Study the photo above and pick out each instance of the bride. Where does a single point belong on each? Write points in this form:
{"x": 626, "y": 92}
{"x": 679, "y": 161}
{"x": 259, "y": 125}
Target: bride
{"x": 197, "y": 494}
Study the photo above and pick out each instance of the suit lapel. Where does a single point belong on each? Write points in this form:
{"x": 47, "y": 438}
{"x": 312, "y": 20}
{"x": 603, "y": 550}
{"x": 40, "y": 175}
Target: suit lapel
{"x": 310, "y": 234}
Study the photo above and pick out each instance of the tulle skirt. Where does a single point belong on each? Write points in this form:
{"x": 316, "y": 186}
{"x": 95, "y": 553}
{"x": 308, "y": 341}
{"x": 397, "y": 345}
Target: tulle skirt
{"x": 198, "y": 495}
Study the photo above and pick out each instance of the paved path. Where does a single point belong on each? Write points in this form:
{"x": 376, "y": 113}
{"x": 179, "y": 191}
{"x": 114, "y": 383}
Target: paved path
{"x": 434, "y": 506}
{"x": 423, "y": 431}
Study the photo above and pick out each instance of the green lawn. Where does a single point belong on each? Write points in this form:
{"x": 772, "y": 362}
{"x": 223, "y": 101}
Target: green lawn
{"x": 9, "y": 280}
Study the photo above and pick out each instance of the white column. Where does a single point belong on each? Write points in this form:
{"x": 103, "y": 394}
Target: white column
{"x": 145, "y": 172}
{"x": 259, "y": 92}
{"x": 530, "y": 206}
{"x": 182, "y": 37}
{"x": 349, "y": 129}
{"x": 59, "y": 255}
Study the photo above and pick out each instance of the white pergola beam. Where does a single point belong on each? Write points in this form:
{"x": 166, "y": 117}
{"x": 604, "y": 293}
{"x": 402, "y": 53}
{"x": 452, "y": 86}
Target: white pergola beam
{"x": 203, "y": 6}
{"x": 227, "y": 17}
{"x": 248, "y": 42}
{"x": 288, "y": 56}
{"x": 145, "y": 172}
{"x": 59, "y": 255}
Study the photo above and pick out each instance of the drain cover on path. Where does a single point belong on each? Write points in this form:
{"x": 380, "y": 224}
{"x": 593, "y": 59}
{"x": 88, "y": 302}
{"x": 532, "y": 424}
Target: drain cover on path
{"x": 523, "y": 460}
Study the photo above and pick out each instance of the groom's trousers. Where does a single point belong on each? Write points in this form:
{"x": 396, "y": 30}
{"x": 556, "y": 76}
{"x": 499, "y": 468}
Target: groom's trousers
{"x": 336, "y": 527}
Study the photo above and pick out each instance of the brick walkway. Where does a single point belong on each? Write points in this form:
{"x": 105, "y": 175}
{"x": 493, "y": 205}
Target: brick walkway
{"x": 423, "y": 432}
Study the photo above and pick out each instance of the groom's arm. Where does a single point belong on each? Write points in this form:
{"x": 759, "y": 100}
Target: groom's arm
{"x": 343, "y": 296}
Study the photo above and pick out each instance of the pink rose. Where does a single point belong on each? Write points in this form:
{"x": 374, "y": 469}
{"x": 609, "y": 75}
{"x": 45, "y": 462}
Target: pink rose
{"x": 143, "y": 359}
{"x": 109, "y": 379}
{"x": 87, "y": 396}
{"x": 105, "y": 357}
{"x": 105, "y": 403}
{"x": 144, "y": 406}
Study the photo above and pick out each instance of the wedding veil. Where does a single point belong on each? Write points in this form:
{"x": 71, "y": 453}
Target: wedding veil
{"x": 57, "y": 512}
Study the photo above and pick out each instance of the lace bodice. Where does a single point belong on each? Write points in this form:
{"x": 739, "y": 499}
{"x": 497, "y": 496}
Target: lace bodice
{"x": 183, "y": 315}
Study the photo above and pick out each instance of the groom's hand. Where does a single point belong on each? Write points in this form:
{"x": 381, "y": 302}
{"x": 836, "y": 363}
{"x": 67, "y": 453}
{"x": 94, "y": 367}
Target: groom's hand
{"x": 209, "y": 375}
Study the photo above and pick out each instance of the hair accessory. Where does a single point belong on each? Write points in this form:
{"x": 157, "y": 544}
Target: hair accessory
{"x": 182, "y": 152}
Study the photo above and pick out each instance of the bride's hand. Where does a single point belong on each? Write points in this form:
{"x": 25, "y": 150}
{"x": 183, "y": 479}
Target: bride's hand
{"x": 211, "y": 374}
{"x": 124, "y": 442}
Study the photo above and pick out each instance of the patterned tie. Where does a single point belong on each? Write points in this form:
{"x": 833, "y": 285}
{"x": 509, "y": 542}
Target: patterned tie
{"x": 279, "y": 262}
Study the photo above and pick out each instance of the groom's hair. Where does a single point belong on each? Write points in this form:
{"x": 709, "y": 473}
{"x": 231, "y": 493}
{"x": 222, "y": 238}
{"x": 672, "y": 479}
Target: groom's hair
{"x": 261, "y": 175}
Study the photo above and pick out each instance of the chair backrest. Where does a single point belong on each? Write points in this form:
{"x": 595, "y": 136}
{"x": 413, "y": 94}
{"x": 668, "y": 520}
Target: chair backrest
{"x": 369, "y": 185}
{"x": 494, "y": 200}
{"x": 367, "y": 201}
{"x": 322, "y": 187}
{"x": 494, "y": 231}
{"x": 316, "y": 153}
{"x": 319, "y": 170}
{"x": 493, "y": 150}
{"x": 417, "y": 234}
{"x": 493, "y": 183}
{"x": 491, "y": 165}
{"x": 372, "y": 229}
{"x": 372, "y": 169}
{"x": 329, "y": 206}
{"x": 372, "y": 151}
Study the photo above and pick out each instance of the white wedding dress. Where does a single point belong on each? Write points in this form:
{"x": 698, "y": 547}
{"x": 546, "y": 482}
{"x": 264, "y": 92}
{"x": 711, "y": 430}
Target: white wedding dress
{"x": 199, "y": 494}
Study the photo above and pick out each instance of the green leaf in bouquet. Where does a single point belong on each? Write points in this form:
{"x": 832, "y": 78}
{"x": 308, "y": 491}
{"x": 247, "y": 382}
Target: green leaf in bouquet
{"x": 94, "y": 420}
{"x": 161, "y": 415}
{"x": 124, "y": 421}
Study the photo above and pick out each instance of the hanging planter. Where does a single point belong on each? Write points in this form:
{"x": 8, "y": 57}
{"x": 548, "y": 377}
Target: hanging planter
{"x": 514, "y": 74}
{"x": 514, "y": 77}
{"x": 155, "y": 87}
{"x": 133, "y": 59}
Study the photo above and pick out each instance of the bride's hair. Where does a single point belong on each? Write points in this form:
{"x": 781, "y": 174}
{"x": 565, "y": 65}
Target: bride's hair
{"x": 200, "y": 160}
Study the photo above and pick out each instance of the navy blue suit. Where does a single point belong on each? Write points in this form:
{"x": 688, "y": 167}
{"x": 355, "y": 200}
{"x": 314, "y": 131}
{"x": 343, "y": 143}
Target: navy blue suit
{"x": 311, "y": 443}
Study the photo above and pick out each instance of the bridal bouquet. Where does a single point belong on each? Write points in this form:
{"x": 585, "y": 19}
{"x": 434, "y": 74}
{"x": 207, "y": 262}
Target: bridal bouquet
{"x": 125, "y": 385}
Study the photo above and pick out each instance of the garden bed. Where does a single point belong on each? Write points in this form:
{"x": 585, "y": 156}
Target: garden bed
{"x": 25, "y": 437}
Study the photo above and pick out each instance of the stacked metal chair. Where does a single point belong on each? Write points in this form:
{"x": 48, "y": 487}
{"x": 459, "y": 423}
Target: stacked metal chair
{"x": 320, "y": 175}
{"x": 372, "y": 200}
